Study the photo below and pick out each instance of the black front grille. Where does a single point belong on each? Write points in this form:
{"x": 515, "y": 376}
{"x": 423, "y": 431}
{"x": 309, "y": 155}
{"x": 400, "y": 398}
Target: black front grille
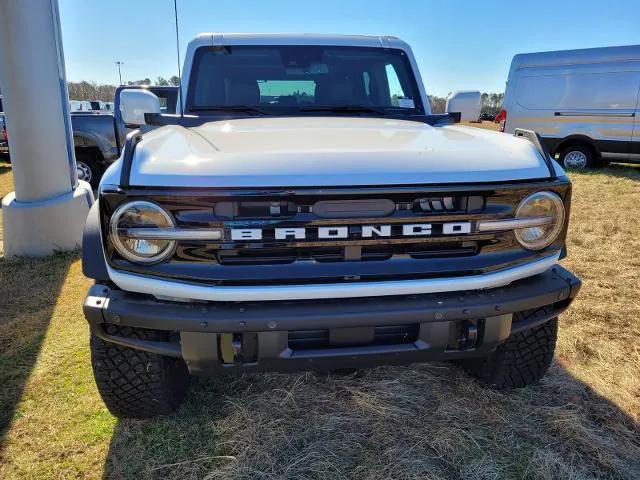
{"x": 356, "y": 257}
{"x": 346, "y": 208}
{"x": 278, "y": 256}
{"x": 308, "y": 339}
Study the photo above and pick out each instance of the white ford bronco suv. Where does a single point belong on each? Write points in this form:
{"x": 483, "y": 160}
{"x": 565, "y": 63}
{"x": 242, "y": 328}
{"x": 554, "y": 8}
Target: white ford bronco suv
{"x": 305, "y": 210}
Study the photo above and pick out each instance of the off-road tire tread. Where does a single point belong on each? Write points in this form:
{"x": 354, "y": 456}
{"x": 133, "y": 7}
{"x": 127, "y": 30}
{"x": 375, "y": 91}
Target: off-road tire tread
{"x": 524, "y": 358}
{"x": 134, "y": 383}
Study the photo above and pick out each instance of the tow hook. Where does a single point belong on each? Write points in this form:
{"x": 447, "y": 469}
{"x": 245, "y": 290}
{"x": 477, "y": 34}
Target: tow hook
{"x": 238, "y": 348}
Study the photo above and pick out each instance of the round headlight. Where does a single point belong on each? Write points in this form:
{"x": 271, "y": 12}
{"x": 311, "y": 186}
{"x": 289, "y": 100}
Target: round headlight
{"x": 140, "y": 215}
{"x": 541, "y": 205}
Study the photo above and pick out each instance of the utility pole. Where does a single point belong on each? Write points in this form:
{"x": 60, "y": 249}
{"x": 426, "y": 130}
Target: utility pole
{"x": 119, "y": 64}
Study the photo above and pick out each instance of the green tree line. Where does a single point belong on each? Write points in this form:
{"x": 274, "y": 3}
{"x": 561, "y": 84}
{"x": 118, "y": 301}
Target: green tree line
{"x": 85, "y": 90}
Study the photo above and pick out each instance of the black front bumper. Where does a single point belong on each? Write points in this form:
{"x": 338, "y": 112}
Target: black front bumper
{"x": 216, "y": 337}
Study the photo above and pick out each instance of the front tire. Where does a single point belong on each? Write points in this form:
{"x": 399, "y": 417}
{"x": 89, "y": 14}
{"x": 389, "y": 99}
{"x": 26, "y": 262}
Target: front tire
{"x": 578, "y": 157}
{"x": 134, "y": 383}
{"x": 522, "y": 360}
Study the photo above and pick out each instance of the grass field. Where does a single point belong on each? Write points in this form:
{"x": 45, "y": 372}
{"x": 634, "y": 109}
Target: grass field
{"x": 423, "y": 421}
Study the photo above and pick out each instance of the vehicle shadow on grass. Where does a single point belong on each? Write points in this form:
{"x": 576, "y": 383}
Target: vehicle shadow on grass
{"x": 29, "y": 290}
{"x": 629, "y": 171}
{"x": 423, "y": 421}
{"x": 619, "y": 170}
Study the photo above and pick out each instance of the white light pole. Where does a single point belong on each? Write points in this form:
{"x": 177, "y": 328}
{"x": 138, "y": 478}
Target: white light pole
{"x": 47, "y": 211}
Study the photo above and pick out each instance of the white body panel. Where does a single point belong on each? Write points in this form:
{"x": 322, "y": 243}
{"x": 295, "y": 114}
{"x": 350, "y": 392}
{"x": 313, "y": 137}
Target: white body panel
{"x": 329, "y": 151}
{"x": 591, "y": 93}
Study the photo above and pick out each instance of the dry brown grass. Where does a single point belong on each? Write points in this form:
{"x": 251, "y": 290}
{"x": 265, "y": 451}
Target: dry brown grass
{"x": 423, "y": 421}
{"x": 484, "y": 124}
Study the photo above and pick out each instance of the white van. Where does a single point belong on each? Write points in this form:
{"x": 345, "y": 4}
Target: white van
{"x": 583, "y": 103}
{"x": 467, "y": 101}
{"x": 76, "y": 106}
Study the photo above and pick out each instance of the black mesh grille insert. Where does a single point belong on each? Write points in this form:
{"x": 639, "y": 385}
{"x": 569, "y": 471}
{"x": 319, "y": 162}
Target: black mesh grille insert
{"x": 382, "y": 335}
{"x": 273, "y": 256}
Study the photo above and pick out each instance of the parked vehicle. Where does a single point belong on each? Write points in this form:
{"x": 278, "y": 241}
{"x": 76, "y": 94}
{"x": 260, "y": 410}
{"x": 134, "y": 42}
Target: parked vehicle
{"x": 96, "y": 144}
{"x": 584, "y": 103}
{"x": 309, "y": 212}
{"x": 487, "y": 117}
{"x": 99, "y": 136}
{"x": 98, "y": 105}
{"x": 97, "y": 141}
{"x": 78, "y": 106}
{"x": 469, "y": 100}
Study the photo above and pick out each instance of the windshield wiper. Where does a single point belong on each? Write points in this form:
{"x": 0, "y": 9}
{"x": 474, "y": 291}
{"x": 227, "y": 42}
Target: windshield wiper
{"x": 230, "y": 108}
{"x": 344, "y": 109}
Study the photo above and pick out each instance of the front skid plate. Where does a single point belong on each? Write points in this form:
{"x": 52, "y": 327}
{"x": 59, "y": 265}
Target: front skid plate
{"x": 200, "y": 324}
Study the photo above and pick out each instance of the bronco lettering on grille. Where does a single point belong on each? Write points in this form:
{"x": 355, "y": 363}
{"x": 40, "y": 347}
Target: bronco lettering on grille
{"x": 360, "y": 231}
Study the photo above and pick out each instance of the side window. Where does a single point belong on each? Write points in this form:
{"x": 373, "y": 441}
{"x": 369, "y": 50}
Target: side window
{"x": 395, "y": 88}
{"x": 287, "y": 92}
{"x": 163, "y": 104}
{"x": 610, "y": 90}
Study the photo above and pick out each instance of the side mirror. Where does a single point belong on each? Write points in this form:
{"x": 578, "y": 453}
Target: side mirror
{"x": 467, "y": 102}
{"x": 135, "y": 103}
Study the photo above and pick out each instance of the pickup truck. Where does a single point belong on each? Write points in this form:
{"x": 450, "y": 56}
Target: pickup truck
{"x": 305, "y": 210}
{"x": 98, "y": 136}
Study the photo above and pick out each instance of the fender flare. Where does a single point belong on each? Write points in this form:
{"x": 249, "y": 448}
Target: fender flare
{"x": 576, "y": 138}
{"x": 85, "y": 139}
{"x": 93, "y": 262}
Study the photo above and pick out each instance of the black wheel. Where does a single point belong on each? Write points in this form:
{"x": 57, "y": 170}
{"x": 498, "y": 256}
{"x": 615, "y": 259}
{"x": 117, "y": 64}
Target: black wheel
{"x": 88, "y": 168}
{"x": 522, "y": 360}
{"x": 137, "y": 384}
{"x": 577, "y": 157}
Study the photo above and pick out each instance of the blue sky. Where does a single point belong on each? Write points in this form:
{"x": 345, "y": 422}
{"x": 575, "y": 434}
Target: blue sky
{"x": 458, "y": 44}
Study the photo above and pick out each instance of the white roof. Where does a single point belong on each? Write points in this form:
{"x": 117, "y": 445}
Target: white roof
{"x": 212, "y": 38}
{"x": 581, "y": 56}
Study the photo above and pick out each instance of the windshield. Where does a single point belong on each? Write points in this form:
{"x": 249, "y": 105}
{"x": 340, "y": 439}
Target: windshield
{"x": 303, "y": 80}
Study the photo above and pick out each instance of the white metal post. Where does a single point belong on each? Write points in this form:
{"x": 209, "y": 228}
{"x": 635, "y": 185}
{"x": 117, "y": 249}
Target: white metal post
{"x": 48, "y": 209}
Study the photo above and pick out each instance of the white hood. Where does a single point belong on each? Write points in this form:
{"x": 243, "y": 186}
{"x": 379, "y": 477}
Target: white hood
{"x": 329, "y": 151}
